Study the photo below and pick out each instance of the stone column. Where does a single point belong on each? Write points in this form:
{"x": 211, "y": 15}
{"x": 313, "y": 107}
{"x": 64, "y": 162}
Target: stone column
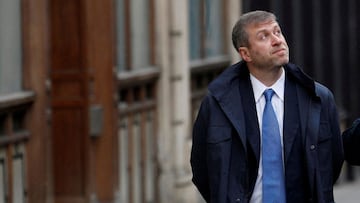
{"x": 233, "y": 11}
{"x": 164, "y": 139}
{"x": 180, "y": 98}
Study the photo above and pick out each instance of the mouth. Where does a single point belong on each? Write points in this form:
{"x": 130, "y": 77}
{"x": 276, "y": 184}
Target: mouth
{"x": 279, "y": 51}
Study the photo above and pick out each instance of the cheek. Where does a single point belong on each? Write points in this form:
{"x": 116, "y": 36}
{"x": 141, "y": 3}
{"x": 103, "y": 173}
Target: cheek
{"x": 262, "y": 52}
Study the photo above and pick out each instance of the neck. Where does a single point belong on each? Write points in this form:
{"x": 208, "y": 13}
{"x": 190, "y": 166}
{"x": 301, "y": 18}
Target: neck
{"x": 267, "y": 76}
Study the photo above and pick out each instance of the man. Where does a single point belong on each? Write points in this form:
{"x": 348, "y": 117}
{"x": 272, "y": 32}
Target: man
{"x": 351, "y": 139}
{"x": 230, "y": 158}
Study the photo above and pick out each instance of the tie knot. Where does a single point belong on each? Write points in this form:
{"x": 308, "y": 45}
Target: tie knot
{"x": 268, "y": 94}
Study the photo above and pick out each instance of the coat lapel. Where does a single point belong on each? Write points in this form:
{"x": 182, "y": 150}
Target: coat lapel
{"x": 251, "y": 119}
{"x": 226, "y": 91}
{"x": 232, "y": 107}
{"x": 291, "y": 117}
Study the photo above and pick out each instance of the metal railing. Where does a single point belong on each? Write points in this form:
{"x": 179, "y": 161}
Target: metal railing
{"x": 202, "y": 73}
{"x": 137, "y": 136}
{"x": 13, "y": 136}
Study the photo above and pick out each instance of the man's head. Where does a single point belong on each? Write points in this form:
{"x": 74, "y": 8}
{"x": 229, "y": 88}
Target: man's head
{"x": 239, "y": 33}
{"x": 258, "y": 38}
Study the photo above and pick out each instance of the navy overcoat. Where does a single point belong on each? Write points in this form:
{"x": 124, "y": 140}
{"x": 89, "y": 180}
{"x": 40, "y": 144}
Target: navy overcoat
{"x": 226, "y": 143}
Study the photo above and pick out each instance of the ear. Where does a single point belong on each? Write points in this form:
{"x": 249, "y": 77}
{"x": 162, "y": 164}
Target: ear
{"x": 245, "y": 54}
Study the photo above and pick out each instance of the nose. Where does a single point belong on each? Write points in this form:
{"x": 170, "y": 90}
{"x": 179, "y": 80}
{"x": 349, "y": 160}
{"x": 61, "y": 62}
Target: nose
{"x": 276, "y": 39}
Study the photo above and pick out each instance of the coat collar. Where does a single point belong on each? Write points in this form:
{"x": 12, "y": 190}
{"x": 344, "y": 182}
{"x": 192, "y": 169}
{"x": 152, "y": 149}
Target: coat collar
{"x": 224, "y": 84}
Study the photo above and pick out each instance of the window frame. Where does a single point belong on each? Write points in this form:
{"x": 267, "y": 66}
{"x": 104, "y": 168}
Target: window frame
{"x": 203, "y": 29}
{"x": 127, "y": 37}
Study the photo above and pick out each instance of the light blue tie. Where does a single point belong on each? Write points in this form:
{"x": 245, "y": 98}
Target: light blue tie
{"x": 273, "y": 175}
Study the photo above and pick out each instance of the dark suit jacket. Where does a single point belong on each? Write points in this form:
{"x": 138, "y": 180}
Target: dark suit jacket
{"x": 351, "y": 138}
{"x": 226, "y": 139}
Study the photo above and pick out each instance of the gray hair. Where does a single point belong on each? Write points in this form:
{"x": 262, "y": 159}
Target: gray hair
{"x": 239, "y": 34}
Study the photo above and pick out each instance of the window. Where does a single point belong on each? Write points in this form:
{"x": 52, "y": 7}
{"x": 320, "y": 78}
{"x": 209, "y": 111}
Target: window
{"x": 134, "y": 34}
{"x": 137, "y": 84}
{"x": 206, "y": 20}
{"x": 207, "y": 44}
{"x": 10, "y": 47}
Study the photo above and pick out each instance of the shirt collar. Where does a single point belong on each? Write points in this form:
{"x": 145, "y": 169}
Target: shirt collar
{"x": 259, "y": 87}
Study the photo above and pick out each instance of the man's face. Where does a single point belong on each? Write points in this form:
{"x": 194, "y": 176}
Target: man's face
{"x": 267, "y": 46}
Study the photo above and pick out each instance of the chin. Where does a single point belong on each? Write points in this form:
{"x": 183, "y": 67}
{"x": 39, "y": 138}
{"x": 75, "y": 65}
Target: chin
{"x": 284, "y": 62}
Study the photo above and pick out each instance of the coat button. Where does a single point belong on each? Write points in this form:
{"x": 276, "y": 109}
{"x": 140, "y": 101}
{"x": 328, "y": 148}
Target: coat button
{"x": 312, "y": 147}
{"x": 238, "y": 200}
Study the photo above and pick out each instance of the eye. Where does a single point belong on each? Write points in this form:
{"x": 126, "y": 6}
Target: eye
{"x": 262, "y": 36}
{"x": 277, "y": 32}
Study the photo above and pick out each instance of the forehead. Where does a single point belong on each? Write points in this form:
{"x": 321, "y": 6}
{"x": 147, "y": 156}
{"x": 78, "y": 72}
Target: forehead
{"x": 262, "y": 26}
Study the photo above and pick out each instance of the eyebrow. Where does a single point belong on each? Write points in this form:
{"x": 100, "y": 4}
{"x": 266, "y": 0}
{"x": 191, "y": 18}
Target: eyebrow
{"x": 265, "y": 30}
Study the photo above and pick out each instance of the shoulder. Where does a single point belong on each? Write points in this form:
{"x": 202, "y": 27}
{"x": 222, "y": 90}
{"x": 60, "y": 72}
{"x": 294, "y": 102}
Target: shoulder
{"x": 311, "y": 86}
{"x": 322, "y": 89}
{"x": 323, "y": 92}
{"x": 229, "y": 77}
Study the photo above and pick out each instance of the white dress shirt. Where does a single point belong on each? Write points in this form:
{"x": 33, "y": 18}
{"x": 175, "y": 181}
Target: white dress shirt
{"x": 278, "y": 105}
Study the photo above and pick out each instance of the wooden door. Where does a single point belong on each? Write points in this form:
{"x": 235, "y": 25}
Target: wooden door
{"x": 69, "y": 101}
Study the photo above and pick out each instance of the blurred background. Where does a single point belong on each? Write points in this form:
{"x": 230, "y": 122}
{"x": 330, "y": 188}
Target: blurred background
{"x": 98, "y": 97}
